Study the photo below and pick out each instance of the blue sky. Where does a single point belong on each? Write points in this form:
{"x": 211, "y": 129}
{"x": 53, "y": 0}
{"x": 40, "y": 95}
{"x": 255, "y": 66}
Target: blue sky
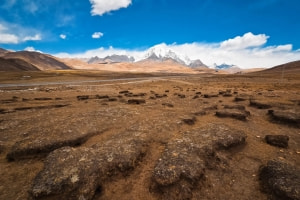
{"x": 90, "y": 27}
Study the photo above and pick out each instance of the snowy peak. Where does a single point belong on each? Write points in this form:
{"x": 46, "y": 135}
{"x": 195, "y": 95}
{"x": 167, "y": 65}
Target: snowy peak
{"x": 197, "y": 63}
{"x": 111, "y": 59}
{"x": 224, "y": 66}
{"x": 162, "y": 52}
{"x": 228, "y": 68}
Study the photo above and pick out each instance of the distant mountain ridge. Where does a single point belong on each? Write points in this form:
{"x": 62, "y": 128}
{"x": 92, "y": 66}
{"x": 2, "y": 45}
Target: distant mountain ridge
{"x": 29, "y": 61}
{"x": 111, "y": 59}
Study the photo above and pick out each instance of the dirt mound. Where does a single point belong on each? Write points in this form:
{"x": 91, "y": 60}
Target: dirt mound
{"x": 71, "y": 173}
{"x": 280, "y": 180}
{"x": 285, "y": 116}
{"x": 184, "y": 160}
{"x": 277, "y": 140}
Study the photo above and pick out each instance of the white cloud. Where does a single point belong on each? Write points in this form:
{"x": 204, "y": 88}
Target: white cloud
{"x": 99, "y": 7}
{"x": 245, "y": 41}
{"x": 6, "y": 38}
{"x": 15, "y": 34}
{"x": 233, "y": 51}
{"x": 2, "y": 28}
{"x": 32, "y": 38}
{"x": 97, "y": 35}
{"x": 63, "y": 36}
{"x": 31, "y": 49}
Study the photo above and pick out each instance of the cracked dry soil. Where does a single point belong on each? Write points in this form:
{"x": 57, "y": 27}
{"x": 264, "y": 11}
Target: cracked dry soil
{"x": 142, "y": 140}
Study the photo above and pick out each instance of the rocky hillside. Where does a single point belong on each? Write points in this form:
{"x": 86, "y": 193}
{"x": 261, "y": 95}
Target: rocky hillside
{"x": 25, "y": 60}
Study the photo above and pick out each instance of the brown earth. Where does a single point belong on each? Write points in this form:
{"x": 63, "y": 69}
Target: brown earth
{"x": 75, "y": 135}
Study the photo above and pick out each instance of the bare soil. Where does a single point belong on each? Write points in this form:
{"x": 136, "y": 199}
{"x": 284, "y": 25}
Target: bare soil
{"x": 46, "y": 128}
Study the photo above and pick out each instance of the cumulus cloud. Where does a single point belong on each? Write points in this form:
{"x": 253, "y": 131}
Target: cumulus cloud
{"x": 63, "y": 36}
{"x": 32, "y": 38}
{"x": 7, "y": 38}
{"x": 99, "y": 7}
{"x": 97, "y": 35}
{"x": 235, "y": 51}
{"x": 31, "y": 49}
{"x": 245, "y": 41}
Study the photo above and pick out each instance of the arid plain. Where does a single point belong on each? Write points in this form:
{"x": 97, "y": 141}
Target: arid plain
{"x": 72, "y": 134}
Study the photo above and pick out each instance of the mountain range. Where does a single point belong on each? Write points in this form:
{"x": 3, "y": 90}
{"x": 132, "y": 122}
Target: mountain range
{"x": 159, "y": 53}
{"x": 157, "y": 59}
{"x": 111, "y": 59}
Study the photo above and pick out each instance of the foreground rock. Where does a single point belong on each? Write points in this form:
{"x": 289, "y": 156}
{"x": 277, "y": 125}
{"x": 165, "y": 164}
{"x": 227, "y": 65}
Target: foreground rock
{"x": 45, "y": 143}
{"x": 71, "y": 173}
{"x": 277, "y": 140}
{"x": 260, "y": 104}
{"x": 136, "y": 101}
{"x": 285, "y": 116}
{"x": 280, "y": 180}
{"x": 183, "y": 163}
{"x": 233, "y": 113}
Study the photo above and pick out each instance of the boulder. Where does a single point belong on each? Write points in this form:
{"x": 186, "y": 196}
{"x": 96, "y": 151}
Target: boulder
{"x": 285, "y": 116}
{"x": 77, "y": 173}
{"x": 136, "y": 101}
{"x": 189, "y": 120}
{"x": 260, "y": 104}
{"x": 280, "y": 180}
{"x": 184, "y": 161}
{"x": 44, "y": 144}
{"x": 233, "y": 113}
{"x": 277, "y": 140}
{"x": 82, "y": 97}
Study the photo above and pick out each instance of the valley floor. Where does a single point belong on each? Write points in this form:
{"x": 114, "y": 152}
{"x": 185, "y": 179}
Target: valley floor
{"x": 145, "y": 136}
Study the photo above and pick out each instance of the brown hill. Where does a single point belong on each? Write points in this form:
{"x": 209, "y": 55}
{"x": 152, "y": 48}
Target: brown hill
{"x": 38, "y": 60}
{"x": 15, "y": 64}
{"x": 288, "y": 70}
{"x": 288, "y": 67}
{"x": 3, "y": 51}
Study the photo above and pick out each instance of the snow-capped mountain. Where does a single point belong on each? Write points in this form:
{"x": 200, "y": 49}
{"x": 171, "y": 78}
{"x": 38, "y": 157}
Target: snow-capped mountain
{"x": 162, "y": 52}
{"x": 197, "y": 63}
{"x": 223, "y": 66}
{"x": 111, "y": 59}
{"x": 228, "y": 68}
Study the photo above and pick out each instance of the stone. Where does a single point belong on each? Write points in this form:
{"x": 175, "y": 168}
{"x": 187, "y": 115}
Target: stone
{"x": 184, "y": 161}
{"x": 82, "y": 97}
{"x": 233, "y": 113}
{"x": 41, "y": 146}
{"x": 77, "y": 173}
{"x": 123, "y": 92}
{"x": 277, "y": 140}
{"x": 280, "y": 180}
{"x": 285, "y": 116}
{"x": 210, "y": 95}
{"x": 168, "y": 105}
{"x": 260, "y": 104}
{"x": 136, "y": 101}
{"x": 189, "y": 120}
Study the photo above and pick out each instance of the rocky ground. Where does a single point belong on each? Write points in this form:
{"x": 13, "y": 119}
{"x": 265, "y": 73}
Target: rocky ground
{"x": 183, "y": 137}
